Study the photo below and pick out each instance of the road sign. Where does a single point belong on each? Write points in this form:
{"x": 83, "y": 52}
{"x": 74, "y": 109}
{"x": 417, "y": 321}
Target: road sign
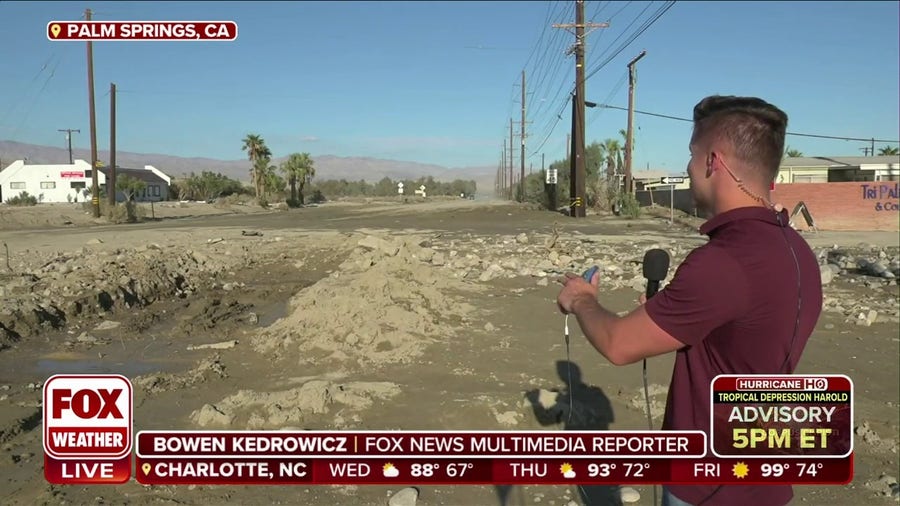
{"x": 672, "y": 180}
{"x": 551, "y": 176}
{"x": 400, "y": 184}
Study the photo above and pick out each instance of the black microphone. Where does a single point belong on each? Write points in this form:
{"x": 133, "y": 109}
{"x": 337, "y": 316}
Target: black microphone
{"x": 656, "y": 265}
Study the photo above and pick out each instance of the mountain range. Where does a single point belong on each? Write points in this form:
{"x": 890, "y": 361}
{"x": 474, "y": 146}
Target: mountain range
{"x": 327, "y": 166}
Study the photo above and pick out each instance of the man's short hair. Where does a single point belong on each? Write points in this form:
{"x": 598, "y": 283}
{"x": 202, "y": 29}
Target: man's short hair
{"x": 754, "y": 127}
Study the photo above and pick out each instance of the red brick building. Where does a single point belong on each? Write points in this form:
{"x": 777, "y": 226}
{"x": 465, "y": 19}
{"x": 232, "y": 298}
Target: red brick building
{"x": 842, "y": 193}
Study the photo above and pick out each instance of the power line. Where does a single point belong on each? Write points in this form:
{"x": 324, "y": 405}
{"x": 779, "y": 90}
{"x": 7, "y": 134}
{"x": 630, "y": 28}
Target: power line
{"x": 36, "y": 99}
{"x": 633, "y": 21}
{"x": 618, "y": 87}
{"x": 558, "y": 115}
{"x": 556, "y": 45}
{"x": 541, "y": 38}
{"x": 646, "y": 25}
{"x": 28, "y": 87}
{"x": 558, "y": 119}
{"x": 659, "y": 13}
{"x": 817, "y": 136}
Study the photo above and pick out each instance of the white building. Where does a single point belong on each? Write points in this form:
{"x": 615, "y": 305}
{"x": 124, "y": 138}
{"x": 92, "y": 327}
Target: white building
{"x": 835, "y": 169}
{"x": 72, "y": 182}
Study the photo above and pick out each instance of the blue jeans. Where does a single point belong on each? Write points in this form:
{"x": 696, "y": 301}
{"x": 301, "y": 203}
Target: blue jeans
{"x": 670, "y": 500}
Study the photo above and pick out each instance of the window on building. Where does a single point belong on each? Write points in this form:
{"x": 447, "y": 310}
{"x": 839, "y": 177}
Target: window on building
{"x": 48, "y": 185}
{"x": 88, "y": 174}
{"x": 155, "y": 190}
{"x": 811, "y": 178}
{"x": 78, "y": 185}
{"x": 17, "y": 185}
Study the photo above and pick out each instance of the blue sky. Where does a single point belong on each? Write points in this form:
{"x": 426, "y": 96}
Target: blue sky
{"x": 434, "y": 82}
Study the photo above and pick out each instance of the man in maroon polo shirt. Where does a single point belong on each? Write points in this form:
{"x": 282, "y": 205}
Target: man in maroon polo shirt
{"x": 746, "y": 302}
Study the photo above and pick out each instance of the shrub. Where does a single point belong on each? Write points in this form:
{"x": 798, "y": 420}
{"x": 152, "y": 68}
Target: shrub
{"x": 630, "y": 206}
{"x": 22, "y": 199}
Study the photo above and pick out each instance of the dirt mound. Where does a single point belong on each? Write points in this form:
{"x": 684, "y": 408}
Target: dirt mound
{"x": 88, "y": 283}
{"x": 384, "y": 305}
{"x": 270, "y": 410}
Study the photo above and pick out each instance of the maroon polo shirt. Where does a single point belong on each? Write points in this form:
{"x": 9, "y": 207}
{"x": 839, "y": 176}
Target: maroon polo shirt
{"x": 733, "y": 303}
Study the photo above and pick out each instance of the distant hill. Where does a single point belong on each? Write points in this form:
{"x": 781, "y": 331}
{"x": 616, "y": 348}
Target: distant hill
{"x": 327, "y": 166}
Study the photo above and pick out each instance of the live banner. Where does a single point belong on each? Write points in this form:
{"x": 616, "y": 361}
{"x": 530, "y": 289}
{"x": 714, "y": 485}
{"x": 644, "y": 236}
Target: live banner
{"x": 764, "y": 429}
{"x": 457, "y": 457}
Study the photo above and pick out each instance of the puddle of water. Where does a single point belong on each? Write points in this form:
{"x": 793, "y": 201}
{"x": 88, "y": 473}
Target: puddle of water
{"x": 129, "y": 369}
{"x": 270, "y": 313}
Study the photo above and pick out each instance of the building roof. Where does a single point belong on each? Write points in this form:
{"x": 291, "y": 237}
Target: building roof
{"x": 649, "y": 174}
{"x": 839, "y": 161}
{"x": 146, "y": 175}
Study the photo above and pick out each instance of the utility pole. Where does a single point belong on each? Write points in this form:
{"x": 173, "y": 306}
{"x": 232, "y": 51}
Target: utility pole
{"x": 111, "y": 178}
{"x": 68, "y": 132}
{"x": 511, "y": 183}
{"x": 502, "y": 173}
{"x": 522, "y": 155}
{"x": 577, "y": 181}
{"x": 629, "y": 143}
{"x": 95, "y": 185}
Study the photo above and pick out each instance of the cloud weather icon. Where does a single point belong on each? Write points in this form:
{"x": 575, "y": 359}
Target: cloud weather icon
{"x": 390, "y": 471}
{"x": 567, "y": 471}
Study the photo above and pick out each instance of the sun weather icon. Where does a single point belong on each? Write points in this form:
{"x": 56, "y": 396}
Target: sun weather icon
{"x": 740, "y": 470}
{"x": 567, "y": 471}
{"x": 389, "y": 471}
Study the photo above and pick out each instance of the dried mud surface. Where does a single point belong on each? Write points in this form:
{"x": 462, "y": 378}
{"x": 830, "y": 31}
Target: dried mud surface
{"x": 382, "y": 316}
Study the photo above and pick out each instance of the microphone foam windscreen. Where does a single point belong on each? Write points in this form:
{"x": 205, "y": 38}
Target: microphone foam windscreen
{"x": 656, "y": 264}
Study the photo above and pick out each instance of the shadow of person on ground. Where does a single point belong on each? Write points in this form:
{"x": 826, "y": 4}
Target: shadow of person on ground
{"x": 589, "y": 409}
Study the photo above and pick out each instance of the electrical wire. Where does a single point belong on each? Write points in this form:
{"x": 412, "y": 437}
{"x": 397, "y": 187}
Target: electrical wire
{"x": 28, "y": 87}
{"x": 796, "y": 134}
{"x": 633, "y": 37}
{"x": 36, "y": 99}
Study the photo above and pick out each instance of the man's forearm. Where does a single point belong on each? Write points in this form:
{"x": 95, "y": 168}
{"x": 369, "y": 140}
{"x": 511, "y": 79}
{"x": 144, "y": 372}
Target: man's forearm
{"x": 597, "y": 324}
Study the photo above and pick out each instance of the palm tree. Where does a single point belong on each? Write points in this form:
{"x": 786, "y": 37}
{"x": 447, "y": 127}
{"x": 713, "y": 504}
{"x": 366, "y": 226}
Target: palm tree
{"x": 792, "y": 153}
{"x": 261, "y": 169}
{"x": 302, "y": 170}
{"x": 889, "y": 151}
{"x": 298, "y": 168}
{"x": 613, "y": 150}
{"x": 256, "y": 149}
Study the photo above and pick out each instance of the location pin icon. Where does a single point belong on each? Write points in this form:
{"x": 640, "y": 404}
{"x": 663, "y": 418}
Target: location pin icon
{"x": 55, "y": 29}
{"x": 145, "y": 468}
